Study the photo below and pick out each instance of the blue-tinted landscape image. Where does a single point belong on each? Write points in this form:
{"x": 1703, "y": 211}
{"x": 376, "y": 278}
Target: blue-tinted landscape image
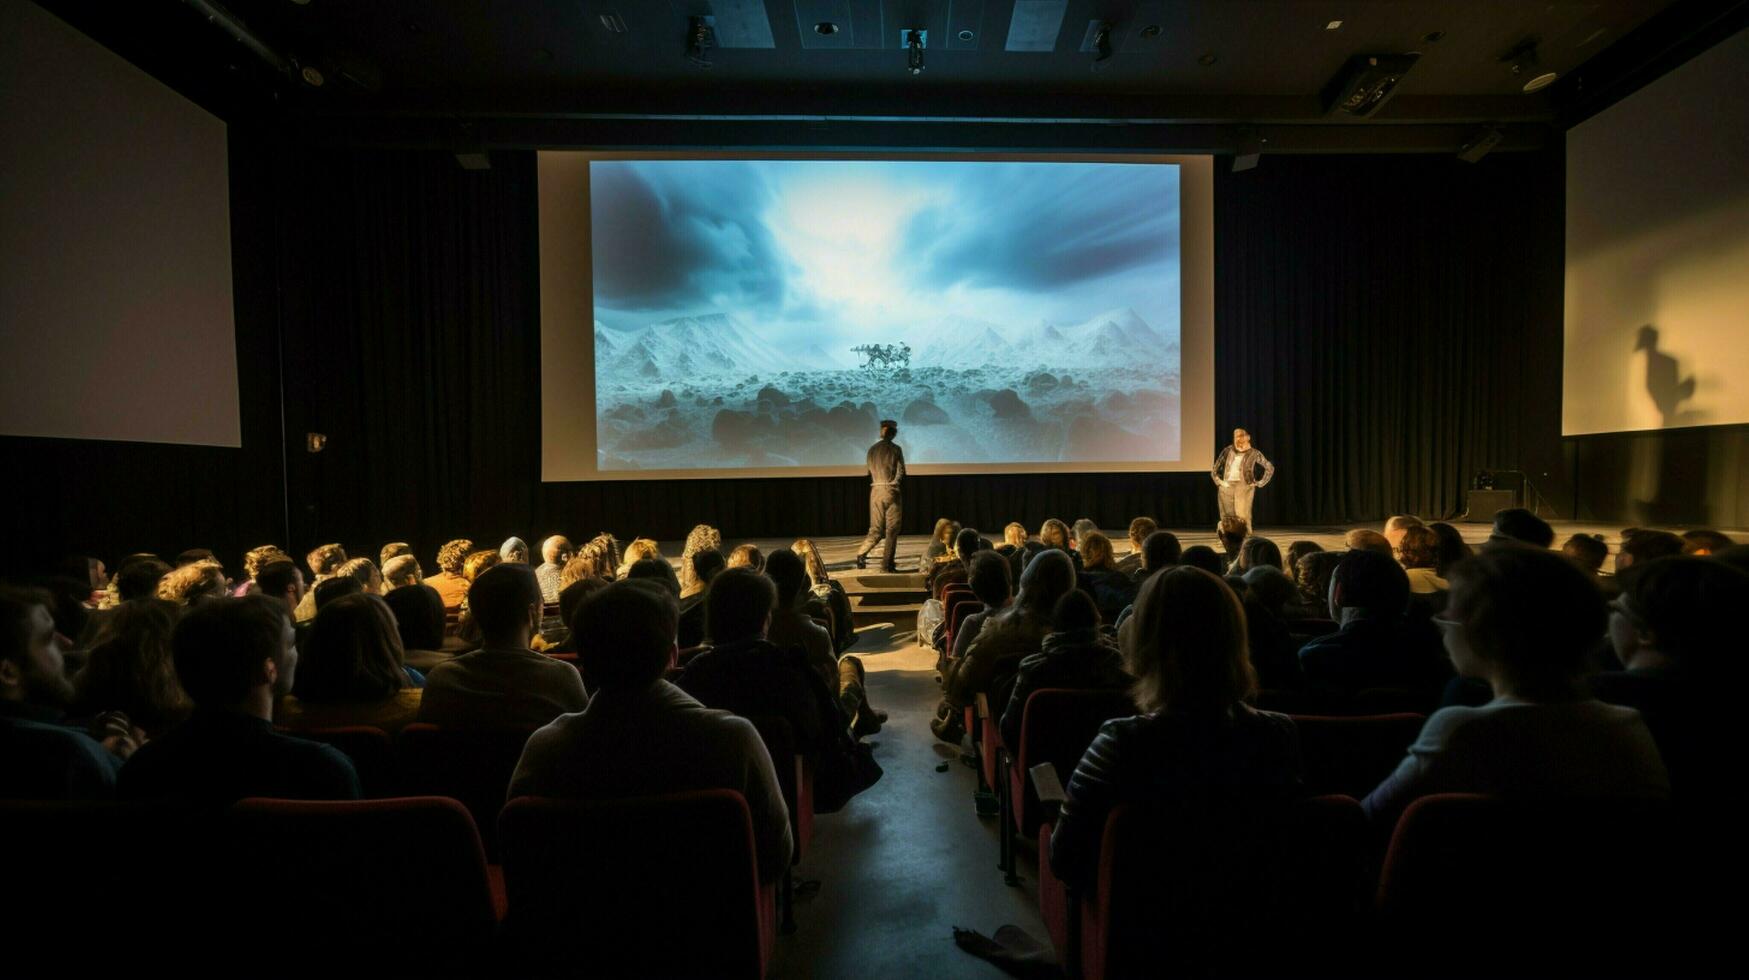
{"x": 769, "y": 313}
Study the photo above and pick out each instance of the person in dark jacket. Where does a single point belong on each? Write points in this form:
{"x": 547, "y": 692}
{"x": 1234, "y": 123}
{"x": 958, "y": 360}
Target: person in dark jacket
{"x": 1197, "y": 744}
{"x": 1100, "y": 577}
{"x": 1376, "y": 645}
{"x": 886, "y": 473}
{"x": 1274, "y": 654}
{"x": 1076, "y": 654}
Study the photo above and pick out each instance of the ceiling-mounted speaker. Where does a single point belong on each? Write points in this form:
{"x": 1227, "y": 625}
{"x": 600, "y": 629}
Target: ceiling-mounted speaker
{"x": 1477, "y": 146}
{"x": 1366, "y": 83}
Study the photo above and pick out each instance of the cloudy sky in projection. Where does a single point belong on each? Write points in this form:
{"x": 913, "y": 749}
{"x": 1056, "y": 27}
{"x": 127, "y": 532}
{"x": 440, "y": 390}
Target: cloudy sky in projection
{"x": 806, "y": 249}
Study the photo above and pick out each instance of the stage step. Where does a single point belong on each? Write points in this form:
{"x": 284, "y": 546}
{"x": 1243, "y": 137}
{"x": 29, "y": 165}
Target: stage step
{"x": 878, "y": 597}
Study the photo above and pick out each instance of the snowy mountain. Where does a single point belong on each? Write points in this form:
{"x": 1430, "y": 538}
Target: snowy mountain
{"x": 958, "y": 342}
{"x": 715, "y": 343}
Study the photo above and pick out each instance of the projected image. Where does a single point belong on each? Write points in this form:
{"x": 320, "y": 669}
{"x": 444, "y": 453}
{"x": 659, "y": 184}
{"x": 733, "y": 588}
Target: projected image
{"x": 770, "y": 313}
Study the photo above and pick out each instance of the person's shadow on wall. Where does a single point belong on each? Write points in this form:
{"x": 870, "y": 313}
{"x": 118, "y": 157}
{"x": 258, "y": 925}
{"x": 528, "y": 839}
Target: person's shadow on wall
{"x": 1664, "y": 382}
{"x": 1675, "y": 462}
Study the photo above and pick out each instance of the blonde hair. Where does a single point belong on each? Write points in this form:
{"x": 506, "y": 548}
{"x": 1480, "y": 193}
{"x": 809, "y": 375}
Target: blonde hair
{"x": 943, "y": 530}
{"x": 1014, "y": 534}
{"x": 193, "y": 582}
{"x": 479, "y": 561}
{"x": 639, "y": 549}
{"x": 811, "y": 561}
{"x": 451, "y": 556}
{"x": 1054, "y": 534}
{"x": 746, "y": 556}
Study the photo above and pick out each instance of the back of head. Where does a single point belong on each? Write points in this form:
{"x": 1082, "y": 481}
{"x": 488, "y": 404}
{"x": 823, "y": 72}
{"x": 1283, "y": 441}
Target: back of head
{"x": 255, "y": 559}
{"x": 571, "y": 596}
{"x": 402, "y": 570}
{"x": 787, "y": 574}
{"x": 1232, "y": 532}
{"x": 809, "y": 553}
{"x": 275, "y": 578}
{"x": 707, "y": 564}
{"x": 556, "y": 550}
{"x": 139, "y": 578}
{"x": 1076, "y": 610}
{"x": 1297, "y": 550}
{"x": 1187, "y": 647}
{"x": 943, "y": 530}
{"x": 324, "y": 559}
{"x": 478, "y": 562}
{"x": 1691, "y": 606}
{"x": 1096, "y": 552}
{"x": 1370, "y": 583}
{"x": 1270, "y": 586}
{"x": 1531, "y": 611}
{"x": 1314, "y": 573}
{"x": 391, "y": 551}
{"x": 1140, "y": 528}
{"x": 966, "y": 543}
{"x": 1401, "y": 521}
{"x": 501, "y": 600}
{"x": 1259, "y": 552}
{"x": 1522, "y": 525}
{"x": 747, "y": 556}
{"x": 1160, "y": 549}
{"x": 1587, "y": 550}
{"x": 514, "y": 550}
{"x": 220, "y": 647}
{"x": 1054, "y": 534}
{"x": 1047, "y": 577}
{"x": 1418, "y": 547}
{"x": 419, "y": 616}
{"x": 352, "y": 653}
{"x": 1704, "y": 541}
{"x": 738, "y": 605}
{"x": 1081, "y": 528}
{"x": 1366, "y": 539}
{"x": 331, "y": 589}
{"x": 1204, "y": 557}
{"x": 193, "y": 555}
{"x": 1452, "y": 546}
{"x": 655, "y": 570}
{"x": 364, "y": 571}
{"x": 1014, "y": 534}
{"x": 1640, "y": 544}
{"x": 889, "y": 428}
{"x": 624, "y": 632}
{"x": 991, "y": 579}
{"x": 453, "y": 553}
{"x": 131, "y": 668}
{"x": 190, "y": 584}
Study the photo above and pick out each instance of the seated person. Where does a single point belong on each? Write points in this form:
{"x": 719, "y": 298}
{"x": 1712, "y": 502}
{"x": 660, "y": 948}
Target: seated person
{"x": 130, "y": 669}
{"x": 351, "y": 671}
{"x": 1418, "y": 553}
{"x": 642, "y": 736}
{"x": 1588, "y": 551}
{"x": 1100, "y": 577}
{"x": 1140, "y": 528}
{"x": 333, "y": 588}
{"x": 1003, "y": 639}
{"x": 1676, "y": 632}
{"x": 1231, "y": 533}
{"x": 1054, "y": 535}
{"x": 1197, "y": 742}
{"x": 745, "y": 673}
{"x": 234, "y": 657}
{"x": 1524, "y": 620}
{"x": 555, "y": 551}
{"x": 44, "y": 759}
{"x": 940, "y": 542}
{"x": 1639, "y": 544}
{"x": 792, "y": 627}
{"x": 746, "y": 556}
{"x": 706, "y": 565}
{"x": 449, "y": 582}
{"x": 1398, "y": 524}
{"x": 656, "y": 570}
{"x": 1257, "y": 552}
{"x": 401, "y": 570}
{"x": 1273, "y": 650}
{"x": 827, "y": 592}
{"x": 570, "y": 600}
{"x": 1519, "y": 526}
{"x": 1014, "y": 547}
{"x": 1204, "y": 557}
{"x": 504, "y": 684}
{"x": 991, "y": 585}
{"x": 1075, "y": 654}
{"x": 1366, "y": 539}
{"x": 1159, "y": 550}
{"x": 419, "y": 620}
{"x": 952, "y": 567}
{"x": 1376, "y": 645}
{"x": 324, "y": 561}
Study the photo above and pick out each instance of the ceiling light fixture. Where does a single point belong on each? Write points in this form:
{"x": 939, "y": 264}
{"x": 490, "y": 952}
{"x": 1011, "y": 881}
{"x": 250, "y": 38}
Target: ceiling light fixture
{"x": 1524, "y": 67}
{"x": 967, "y": 35}
{"x": 915, "y": 42}
{"x": 1333, "y": 25}
{"x": 825, "y": 28}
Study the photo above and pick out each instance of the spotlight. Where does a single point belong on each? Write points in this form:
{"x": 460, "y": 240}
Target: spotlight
{"x": 915, "y": 42}
{"x": 1522, "y": 59}
{"x": 700, "y": 37}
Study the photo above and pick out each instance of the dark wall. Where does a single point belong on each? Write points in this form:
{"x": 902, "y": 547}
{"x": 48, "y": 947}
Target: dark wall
{"x": 1385, "y": 326}
{"x": 1683, "y": 476}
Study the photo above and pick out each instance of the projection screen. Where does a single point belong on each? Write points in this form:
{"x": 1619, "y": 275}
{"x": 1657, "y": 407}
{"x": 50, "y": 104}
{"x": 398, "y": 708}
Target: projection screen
{"x": 1657, "y": 291}
{"x": 735, "y": 315}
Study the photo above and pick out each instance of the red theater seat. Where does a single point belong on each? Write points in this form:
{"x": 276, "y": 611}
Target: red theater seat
{"x": 655, "y": 886}
{"x": 1057, "y": 725}
{"x": 957, "y": 614}
{"x": 795, "y": 777}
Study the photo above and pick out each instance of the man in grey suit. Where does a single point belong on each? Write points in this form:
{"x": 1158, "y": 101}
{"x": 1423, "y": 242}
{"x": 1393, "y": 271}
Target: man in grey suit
{"x": 886, "y": 470}
{"x": 1235, "y": 474}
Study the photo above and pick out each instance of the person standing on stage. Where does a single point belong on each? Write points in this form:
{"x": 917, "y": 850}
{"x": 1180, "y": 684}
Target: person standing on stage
{"x": 886, "y": 470}
{"x": 1235, "y": 474}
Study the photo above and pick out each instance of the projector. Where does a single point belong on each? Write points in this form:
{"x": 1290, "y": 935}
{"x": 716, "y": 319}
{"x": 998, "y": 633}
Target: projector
{"x": 1366, "y": 83}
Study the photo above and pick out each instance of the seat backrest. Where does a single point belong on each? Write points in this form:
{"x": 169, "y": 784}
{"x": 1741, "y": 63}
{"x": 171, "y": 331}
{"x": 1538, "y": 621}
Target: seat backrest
{"x": 653, "y": 886}
{"x": 352, "y": 880}
{"x": 958, "y": 612}
{"x": 372, "y": 753}
{"x": 780, "y": 743}
{"x": 947, "y": 588}
{"x": 1352, "y": 755}
{"x": 1056, "y": 726}
{"x": 1545, "y": 875}
{"x": 1258, "y": 889}
{"x": 472, "y": 765}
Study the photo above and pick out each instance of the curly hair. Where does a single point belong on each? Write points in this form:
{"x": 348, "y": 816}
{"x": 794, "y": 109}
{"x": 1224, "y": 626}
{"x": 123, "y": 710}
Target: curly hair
{"x": 811, "y": 560}
{"x": 255, "y": 559}
{"x": 452, "y": 555}
{"x": 193, "y": 583}
{"x": 638, "y": 550}
{"x": 702, "y": 537}
{"x": 479, "y": 561}
{"x": 324, "y": 559}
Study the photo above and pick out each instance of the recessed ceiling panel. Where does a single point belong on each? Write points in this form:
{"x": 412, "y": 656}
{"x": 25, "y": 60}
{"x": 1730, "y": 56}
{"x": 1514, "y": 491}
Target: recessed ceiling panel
{"x": 1036, "y": 25}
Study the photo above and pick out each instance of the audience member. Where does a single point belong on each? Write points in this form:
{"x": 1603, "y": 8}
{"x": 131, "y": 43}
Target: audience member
{"x": 400, "y": 571}
{"x": 992, "y": 584}
{"x": 504, "y": 684}
{"x": 1204, "y": 557}
{"x": 1079, "y": 530}
{"x": 1525, "y": 620}
{"x": 1312, "y": 576}
{"x": 702, "y": 537}
{"x": 195, "y": 582}
{"x": 1452, "y": 547}
{"x": 1055, "y": 534}
{"x": 828, "y": 593}
{"x": 130, "y": 670}
{"x": 1418, "y": 553}
{"x": 254, "y": 560}
{"x": 1295, "y": 551}
{"x": 193, "y": 555}
{"x": 476, "y": 565}
{"x": 44, "y": 759}
{"x": 365, "y": 571}
{"x": 791, "y": 627}
{"x": 1075, "y": 654}
{"x": 1365, "y": 539}
{"x": 1197, "y": 743}
{"x": 940, "y": 541}
{"x": 747, "y": 556}
{"x": 1516, "y": 525}
{"x": 1258, "y": 552}
{"x": 419, "y": 620}
{"x": 391, "y": 551}
{"x": 1016, "y": 547}
{"x": 1231, "y": 533}
{"x": 1273, "y": 649}
{"x": 1705, "y": 541}
{"x": 1395, "y": 527}
{"x": 656, "y": 570}
{"x": 333, "y": 588}
{"x": 1159, "y": 550}
{"x": 138, "y": 578}
{"x": 1140, "y": 528}
{"x": 281, "y": 581}
{"x": 555, "y": 551}
{"x": 1375, "y": 646}
{"x": 323, "y": 561}
{"x": 642, "y": 736}
{"x": 1002, "y": 639}
{"x": 449, "y": 581}
{"x": 352, "y": 671}
{"x": 1639, "y": 544}
{"x": 638, "y": 550}
{"x": 745, "y": 673}
{"x": 234, "y": 657}
{"x": 1100, "y": 577}
{"x": 952, "y": 567}
{"x": 706, "y": 565}
{"x": 1588, "y": 551}
{"x": 514, "y": 551}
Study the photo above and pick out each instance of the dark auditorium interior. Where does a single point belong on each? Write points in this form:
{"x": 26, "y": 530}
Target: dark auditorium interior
{"x": 409, "y": 396}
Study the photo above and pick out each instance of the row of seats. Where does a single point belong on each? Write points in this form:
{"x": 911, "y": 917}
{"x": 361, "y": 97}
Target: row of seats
{"x": 658, "y": 886}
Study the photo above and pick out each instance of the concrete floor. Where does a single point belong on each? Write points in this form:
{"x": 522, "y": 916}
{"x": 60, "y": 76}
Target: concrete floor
{"x": 909, "y": 859}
